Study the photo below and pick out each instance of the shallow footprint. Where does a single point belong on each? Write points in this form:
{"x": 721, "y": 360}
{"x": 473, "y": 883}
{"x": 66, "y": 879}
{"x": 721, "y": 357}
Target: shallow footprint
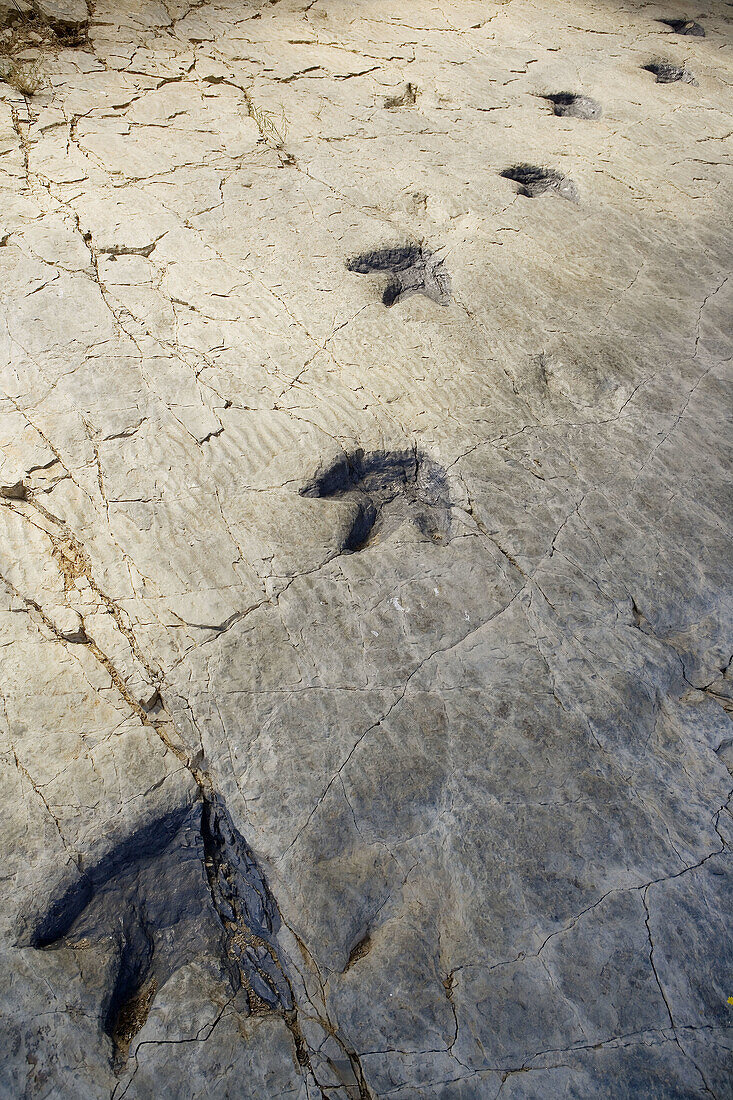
{"x": 667, "y": 73}
{"x": 406, "y": 98}
{"x": 570, "y": 105}
{"x": 415, "y": 269}
{"x": 684, "y": 26}
{"x": 534, "y": 181}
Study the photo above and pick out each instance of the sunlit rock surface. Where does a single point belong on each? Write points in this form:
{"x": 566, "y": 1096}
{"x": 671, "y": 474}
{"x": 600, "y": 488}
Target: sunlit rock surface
{"x": 364, "y": 540}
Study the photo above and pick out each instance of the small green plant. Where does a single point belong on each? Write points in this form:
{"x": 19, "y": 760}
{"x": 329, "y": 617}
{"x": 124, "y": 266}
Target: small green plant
{"x": 272, "y": 127}
{"x": 24, "y": 76}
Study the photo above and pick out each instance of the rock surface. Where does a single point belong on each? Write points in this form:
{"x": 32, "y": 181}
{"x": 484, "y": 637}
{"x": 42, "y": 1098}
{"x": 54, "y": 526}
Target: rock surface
{"x": 366, "y": 672}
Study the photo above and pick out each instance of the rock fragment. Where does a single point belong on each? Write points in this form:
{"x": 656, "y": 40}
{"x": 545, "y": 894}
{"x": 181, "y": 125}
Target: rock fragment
{"x": 68, "y": 18}
{"x": 15, "y": 490}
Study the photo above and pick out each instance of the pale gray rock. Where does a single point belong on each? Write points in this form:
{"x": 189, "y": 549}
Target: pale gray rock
{"x": 366, "y": 673}
{"x": 65, "y": 15}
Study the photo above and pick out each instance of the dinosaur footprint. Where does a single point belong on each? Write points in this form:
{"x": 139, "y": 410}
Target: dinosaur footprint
{"x": 413, "y": 269}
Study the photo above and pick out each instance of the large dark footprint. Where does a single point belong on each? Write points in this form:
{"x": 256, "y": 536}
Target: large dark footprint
{"x": 415, "y": 269}
{"x": 667, "y": 73}
{"x": 183, "y": 887}
{"x": 534, "y": 181}
{"x": 684, "y": 26}
{"x": 569, "y": 105}
{"x": 388, "y": 488}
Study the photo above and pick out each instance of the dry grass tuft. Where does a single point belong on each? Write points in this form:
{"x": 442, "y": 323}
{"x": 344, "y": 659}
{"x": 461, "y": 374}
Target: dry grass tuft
{"x": 25, "y": 76}
{"x": 273, "y": 128}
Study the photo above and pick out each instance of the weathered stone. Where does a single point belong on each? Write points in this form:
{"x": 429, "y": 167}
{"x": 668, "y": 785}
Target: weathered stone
{"x": 67, "y": 16}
